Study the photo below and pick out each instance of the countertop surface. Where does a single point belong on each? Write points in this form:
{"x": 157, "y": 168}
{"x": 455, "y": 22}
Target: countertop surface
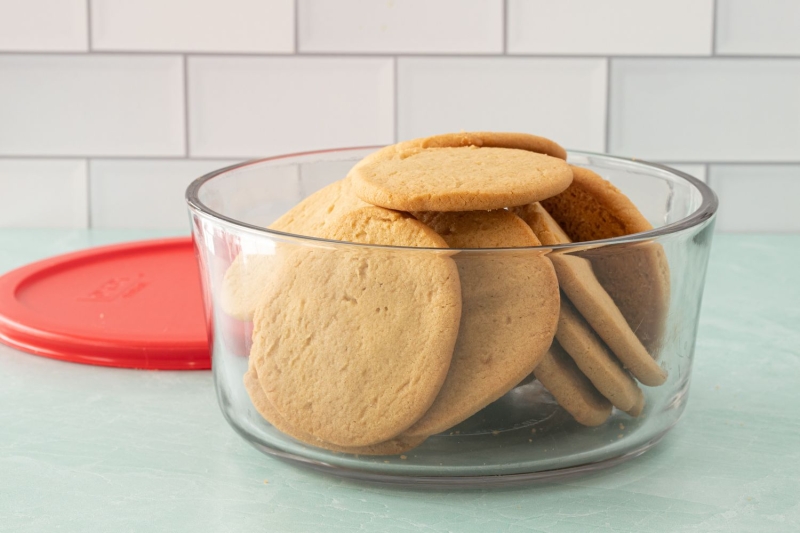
{"x": 98, "y": 449}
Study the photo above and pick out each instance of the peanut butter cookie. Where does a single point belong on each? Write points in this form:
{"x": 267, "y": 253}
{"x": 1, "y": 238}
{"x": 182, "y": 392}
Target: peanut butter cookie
{"x": 636, "y": 276}
{"x": 509, "y": 317}
{"x": 352, "y": 346}
{"x": 410, "y": 178}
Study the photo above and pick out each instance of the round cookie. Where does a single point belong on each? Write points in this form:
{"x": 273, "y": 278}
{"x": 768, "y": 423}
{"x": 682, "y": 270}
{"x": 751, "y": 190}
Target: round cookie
{"x": 247, "y": 275}
{"x": 594, "y": 359}
{"x": 558, "y": 374}
{"x": 315, "y": 214}
{"x": 636, "y": 276}
{"x": 509, "y": 316}
{"x": 243, "y": 284}
{"x": 489, "y": 139}
{"x": 579, "y": 283}
{"x": 271, "y": 415}
{"x": 479, "y": 229}
{"x": 409, "y": 178}
{"x": 352, "y": 345}
{"x": 376, "y": 225}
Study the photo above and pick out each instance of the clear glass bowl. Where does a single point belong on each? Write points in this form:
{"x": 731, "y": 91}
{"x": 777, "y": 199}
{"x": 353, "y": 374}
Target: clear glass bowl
{"x": 524, "y": 435}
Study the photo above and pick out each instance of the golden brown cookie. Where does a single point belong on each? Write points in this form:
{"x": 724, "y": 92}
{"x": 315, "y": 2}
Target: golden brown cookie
{"x": 376, "y": 225}
{"x": 594, "y": 359}
{"x": 509, "y": 317}
{"x": 314, "y": 215}
{"x": 409, "y": 178}
{"x": 489, "y": 139}
{"x": 479, "y": 229}
{"x": 352, "y": 345}
{"x": 271, "y": 415}
{"x": 247, "y": 275}
{"x": 243, "y": 284}
{"x": 579, "y": 283}
{"x": 636, "y": 276}
{"x": 558, "y": 374}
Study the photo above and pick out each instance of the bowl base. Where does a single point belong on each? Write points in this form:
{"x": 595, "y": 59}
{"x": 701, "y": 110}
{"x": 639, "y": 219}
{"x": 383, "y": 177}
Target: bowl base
{"x": 442, "y": 482}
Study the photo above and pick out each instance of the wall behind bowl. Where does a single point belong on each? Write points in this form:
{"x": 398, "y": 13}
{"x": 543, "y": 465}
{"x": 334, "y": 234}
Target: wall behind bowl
{"x": 108, "y": 108}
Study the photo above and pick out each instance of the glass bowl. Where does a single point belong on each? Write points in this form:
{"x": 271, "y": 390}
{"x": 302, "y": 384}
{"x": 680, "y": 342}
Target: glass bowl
{"x": 524, "y": 435}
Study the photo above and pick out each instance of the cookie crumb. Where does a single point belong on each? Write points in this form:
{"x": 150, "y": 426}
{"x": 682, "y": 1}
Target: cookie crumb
{"x": 495, "y": 433}
{"x": 403, "y": 457}
{"x": 266, "y": 482}
{"x": 619, "y": 436}
{"x": 387, "y": 462}
{"x": 530, "y": 440}
{"x": 621, "y": 425}
{"x": 533, "y": 430}
{"x": 457, "y": 432}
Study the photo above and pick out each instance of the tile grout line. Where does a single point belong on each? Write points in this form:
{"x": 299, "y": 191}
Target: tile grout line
{"x": 89, "y": 25}
{"x": 395, "y": 102}
{"x": 185, "y": 105}
{"x": 505, "y": 27}
{"x": 607, "y": 141}
{"x": 432, "y": 55}
{"x": 88, "y": 193}
{"x": 296, "y": 26}
{"x": 714, "y": 12}
{"x": 240, "y": 158}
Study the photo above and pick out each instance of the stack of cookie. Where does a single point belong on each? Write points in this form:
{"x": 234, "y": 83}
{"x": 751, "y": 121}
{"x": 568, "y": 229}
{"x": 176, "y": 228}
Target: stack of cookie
{"x": 370, "y": 350}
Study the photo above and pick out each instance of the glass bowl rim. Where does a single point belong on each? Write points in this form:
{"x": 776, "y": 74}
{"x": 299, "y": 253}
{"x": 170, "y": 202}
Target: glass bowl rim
{"x": 705, "y": 211}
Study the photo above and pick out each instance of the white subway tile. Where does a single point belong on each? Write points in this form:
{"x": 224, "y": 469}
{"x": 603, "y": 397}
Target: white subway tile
{"x": 706, "y": 109}
{"x": 315, "y": 176}
{"x": 759, "y": 27}
{"x": 258, "y": 106}
{"x": 144, "y": 193}
{"x": 43, "y": 193}
{"x": 91, "y": 105}
{"x": 443, "y": 26}
{"x": 563, "y": 99}
{"x": 696, "y": 171}
{"x": 757, "y": 198}
{"x": 193, "y": 25}
{"x": 43, "y": 25}
{"x": 677, "y": 27}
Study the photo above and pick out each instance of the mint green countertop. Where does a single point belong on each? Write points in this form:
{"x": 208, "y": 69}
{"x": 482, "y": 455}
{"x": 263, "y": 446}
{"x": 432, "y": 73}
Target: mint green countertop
{"x": 98, "y": 449}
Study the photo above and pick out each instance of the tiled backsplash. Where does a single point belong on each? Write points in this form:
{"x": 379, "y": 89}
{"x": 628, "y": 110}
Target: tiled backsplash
{"x": 108, "y": 108}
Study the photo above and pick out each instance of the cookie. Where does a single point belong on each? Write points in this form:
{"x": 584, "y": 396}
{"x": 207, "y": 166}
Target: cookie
{"x": 594, "y": 359}
{"x": 243, "y": 284}
{"x": 579, "y": 283}
{"x": 313, "y": 216}
{"x": 558, "y": 374}
{"x": 271, "y": 415}
{"x": 352, "y": 345}
{"x": 488, "y": 139}
{"x": 636, "y": 276}
{"x": 409, "y": 178}
{"x": 509, "y": 317}
{"x": 247, "y": 275}
{"x": 376, "y": 225}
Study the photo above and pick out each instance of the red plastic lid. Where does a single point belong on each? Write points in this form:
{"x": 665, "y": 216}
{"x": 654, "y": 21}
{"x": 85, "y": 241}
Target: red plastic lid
{"x": 133, "y": 305}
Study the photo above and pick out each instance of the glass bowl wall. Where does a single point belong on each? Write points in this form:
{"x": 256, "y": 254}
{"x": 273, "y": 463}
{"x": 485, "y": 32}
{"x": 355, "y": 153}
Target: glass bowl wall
{"x": 523, "y": 435}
